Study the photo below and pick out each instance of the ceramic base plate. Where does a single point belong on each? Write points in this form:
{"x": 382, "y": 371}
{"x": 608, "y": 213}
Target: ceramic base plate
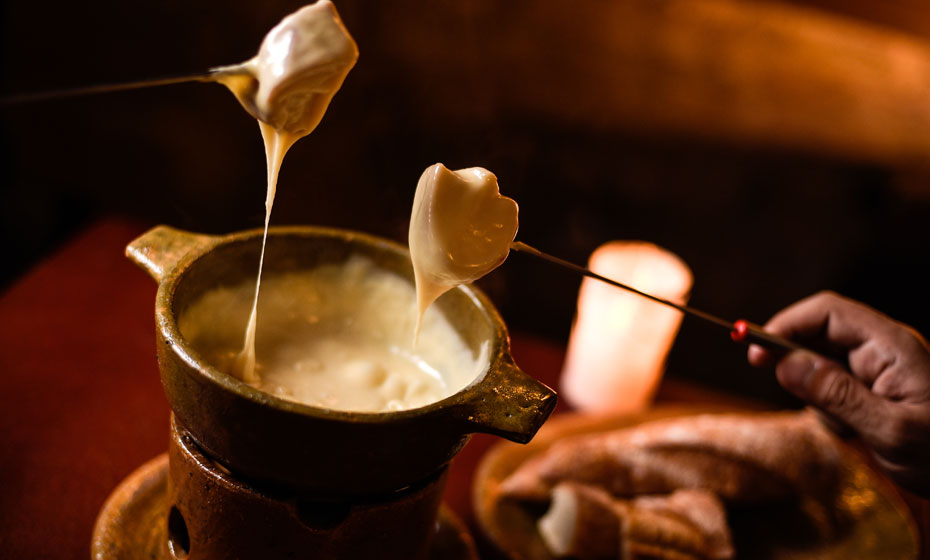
{"x": 881, "y": 524}
{"x": 131, "y": 525}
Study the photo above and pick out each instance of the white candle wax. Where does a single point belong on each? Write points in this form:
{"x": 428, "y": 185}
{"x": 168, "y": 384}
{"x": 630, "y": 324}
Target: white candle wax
{"x": 619, "y": 341}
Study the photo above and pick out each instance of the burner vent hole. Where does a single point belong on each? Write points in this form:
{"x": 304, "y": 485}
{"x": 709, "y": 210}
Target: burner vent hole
{"x": 179, "y": 542}
{"x": 322, "y": 515}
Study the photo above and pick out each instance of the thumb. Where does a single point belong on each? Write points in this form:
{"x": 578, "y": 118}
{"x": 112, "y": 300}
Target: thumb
{"x": 830, "y": 387}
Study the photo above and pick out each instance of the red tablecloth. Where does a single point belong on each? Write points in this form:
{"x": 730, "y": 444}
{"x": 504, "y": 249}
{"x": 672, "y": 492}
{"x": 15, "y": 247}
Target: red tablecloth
{"x": 81, "y": 405}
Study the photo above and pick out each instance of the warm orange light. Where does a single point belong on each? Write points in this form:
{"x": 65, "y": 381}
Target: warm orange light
{"x": 619, "y": 342}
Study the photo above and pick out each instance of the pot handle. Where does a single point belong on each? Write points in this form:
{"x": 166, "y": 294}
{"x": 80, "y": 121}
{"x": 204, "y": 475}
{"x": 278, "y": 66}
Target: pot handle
{"x": 507, "y": 402}
{"x": 161, "y": 248}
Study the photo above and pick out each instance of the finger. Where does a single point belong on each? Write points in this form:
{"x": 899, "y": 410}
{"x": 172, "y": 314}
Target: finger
{"x": 759, "y": 356}
{"x": 835, "y": 425}
{"x": 890, "y": 363}
{"x": 828, "y": 386}
{"x": 841, "y": 321}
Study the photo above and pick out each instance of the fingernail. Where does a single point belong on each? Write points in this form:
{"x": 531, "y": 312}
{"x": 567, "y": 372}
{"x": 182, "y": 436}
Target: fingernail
{"x": 796, "y": 369}
{"x": 757, "y": 356}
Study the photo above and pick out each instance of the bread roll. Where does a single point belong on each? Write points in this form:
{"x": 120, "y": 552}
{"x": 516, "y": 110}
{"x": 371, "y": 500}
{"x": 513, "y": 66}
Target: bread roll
{"x": 587, "y": 523}
{"x": 742, "y": 458}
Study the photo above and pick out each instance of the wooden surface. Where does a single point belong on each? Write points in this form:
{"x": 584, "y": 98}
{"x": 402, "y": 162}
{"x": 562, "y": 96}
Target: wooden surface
{"x": 82, "y": 406}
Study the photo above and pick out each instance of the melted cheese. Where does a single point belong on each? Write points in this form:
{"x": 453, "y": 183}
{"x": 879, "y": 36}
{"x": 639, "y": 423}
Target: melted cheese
{"x": 337, "y": 337}
{"x": 300, "y": 66}
{"x": 461, "y": 228}
{"x": 287, "y": 86}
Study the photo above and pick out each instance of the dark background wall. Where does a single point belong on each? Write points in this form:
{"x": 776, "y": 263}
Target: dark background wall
{"x": 763, "y": 218}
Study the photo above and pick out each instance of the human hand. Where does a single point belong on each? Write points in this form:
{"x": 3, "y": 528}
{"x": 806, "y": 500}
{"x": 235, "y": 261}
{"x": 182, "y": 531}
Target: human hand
{"x": 882, "y": 392}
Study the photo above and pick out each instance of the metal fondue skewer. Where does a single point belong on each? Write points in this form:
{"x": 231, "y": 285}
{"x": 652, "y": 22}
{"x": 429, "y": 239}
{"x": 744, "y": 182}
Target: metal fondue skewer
{"x": 105, "y": 88}
{"x": 740, "y": 330}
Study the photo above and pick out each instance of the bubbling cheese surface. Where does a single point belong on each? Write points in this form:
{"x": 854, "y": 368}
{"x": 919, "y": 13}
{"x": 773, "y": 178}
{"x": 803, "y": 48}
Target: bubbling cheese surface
{"x": 461, "y": 228}
{"x": 337, "y": 337}
{"x": 287, "y": 86}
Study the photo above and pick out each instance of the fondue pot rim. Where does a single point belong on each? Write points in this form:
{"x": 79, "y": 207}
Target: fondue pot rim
{"x": 167, "y": 323}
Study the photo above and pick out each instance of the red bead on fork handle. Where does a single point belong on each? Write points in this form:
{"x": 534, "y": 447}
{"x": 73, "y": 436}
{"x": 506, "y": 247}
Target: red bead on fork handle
{"x": 750, "y": 333}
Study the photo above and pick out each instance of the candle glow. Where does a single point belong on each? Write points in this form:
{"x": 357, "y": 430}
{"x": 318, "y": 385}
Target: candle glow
{"x": 619, "y": 342}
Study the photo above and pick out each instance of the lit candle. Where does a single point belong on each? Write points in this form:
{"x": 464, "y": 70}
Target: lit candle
{"x": 619, "y": 342}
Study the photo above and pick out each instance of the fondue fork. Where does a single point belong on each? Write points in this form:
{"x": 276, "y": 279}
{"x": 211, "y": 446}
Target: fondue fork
{"x": 741, "y": 330}
{"x": 104, "y": 88}
{"x": 211, "y": 75}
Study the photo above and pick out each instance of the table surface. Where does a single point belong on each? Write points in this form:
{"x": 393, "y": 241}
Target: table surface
{"x": 82, "y": 404}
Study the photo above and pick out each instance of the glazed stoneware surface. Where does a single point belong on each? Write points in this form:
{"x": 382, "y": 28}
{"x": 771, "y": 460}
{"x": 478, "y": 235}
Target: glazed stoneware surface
{"x": 262, "y": 438}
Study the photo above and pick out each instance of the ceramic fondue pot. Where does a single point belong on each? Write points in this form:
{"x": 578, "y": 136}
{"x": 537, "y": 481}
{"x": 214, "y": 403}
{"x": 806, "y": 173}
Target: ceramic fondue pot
{"x": 260, "y": 437}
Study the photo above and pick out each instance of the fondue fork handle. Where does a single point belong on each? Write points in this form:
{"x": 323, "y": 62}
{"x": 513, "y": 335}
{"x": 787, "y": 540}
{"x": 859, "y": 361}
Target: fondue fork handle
{"x": 740, "y": 330}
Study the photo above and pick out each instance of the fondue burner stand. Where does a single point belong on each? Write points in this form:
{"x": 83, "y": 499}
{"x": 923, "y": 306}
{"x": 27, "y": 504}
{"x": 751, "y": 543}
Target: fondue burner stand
{"x": 251, "y": 476}
{"x": 183, "y": 505}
